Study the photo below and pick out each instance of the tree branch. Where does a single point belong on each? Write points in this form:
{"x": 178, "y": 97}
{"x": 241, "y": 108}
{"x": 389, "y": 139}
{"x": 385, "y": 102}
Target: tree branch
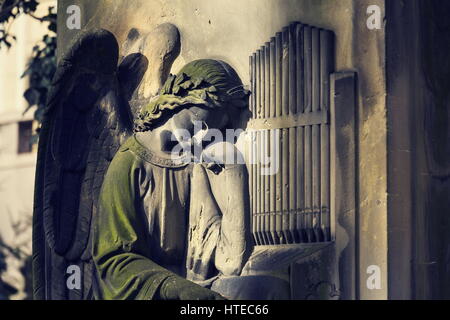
{"x": 5, "y": 12}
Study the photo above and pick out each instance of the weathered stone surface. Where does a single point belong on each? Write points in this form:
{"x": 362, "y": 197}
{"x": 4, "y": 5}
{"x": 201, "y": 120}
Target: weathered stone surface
{"x": 161, "y": 47}
{"x": 266, "y": 259}
{"x": 253, "y": 288}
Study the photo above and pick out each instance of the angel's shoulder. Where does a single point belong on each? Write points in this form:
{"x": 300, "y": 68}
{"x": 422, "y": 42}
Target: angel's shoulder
{"x": 125, "y": 159}
{"x": 143, "y": 150}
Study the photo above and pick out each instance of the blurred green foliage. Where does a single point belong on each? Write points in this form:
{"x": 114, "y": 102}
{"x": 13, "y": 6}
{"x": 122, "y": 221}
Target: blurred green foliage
{"x": 42, "y": 65}
{"x": 40, "y": 70}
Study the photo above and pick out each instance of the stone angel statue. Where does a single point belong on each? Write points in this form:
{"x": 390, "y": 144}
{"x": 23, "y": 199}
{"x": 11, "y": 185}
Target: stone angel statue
{"x": 112, "y": 198}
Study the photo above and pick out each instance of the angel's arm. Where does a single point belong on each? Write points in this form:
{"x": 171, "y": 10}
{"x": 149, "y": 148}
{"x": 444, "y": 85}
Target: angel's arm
{"x": 219, "y": 216}
{"x": 120, "y": 247}
{"x": 234, "y": 244}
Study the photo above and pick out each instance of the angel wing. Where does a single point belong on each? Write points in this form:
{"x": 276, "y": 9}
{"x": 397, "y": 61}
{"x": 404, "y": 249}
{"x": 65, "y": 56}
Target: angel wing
{"x": 86, "y": 119}
{"x": 161, "y": 46}
{"x": 88, "y": 116}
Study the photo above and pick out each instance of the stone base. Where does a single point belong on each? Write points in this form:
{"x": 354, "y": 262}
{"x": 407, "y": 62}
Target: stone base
{"x": 266, "y": 276}
{"x": 252, "y": 288}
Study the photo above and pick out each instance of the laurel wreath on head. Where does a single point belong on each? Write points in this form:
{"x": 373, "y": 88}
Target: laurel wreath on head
{"x": 181, "y": 91}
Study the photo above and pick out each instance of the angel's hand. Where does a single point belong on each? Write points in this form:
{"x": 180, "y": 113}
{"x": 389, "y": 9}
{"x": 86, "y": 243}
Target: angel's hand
{"x": 177, "y": 288}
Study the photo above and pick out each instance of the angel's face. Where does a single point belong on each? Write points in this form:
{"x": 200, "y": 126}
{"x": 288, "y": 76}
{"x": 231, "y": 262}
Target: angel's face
{"x": 190, "y": 125}
{"x": 189, "y": 118}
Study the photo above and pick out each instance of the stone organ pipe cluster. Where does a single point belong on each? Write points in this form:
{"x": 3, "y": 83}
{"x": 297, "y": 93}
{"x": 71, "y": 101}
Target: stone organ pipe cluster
{"x": 290, "y": 84}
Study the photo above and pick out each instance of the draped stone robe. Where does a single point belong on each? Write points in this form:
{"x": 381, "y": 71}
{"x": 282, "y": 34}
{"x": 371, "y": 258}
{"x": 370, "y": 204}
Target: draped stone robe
{"x": 158, "y": 216}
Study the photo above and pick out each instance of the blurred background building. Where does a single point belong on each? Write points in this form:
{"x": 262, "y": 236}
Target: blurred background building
{"x": 17, "y": 154}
